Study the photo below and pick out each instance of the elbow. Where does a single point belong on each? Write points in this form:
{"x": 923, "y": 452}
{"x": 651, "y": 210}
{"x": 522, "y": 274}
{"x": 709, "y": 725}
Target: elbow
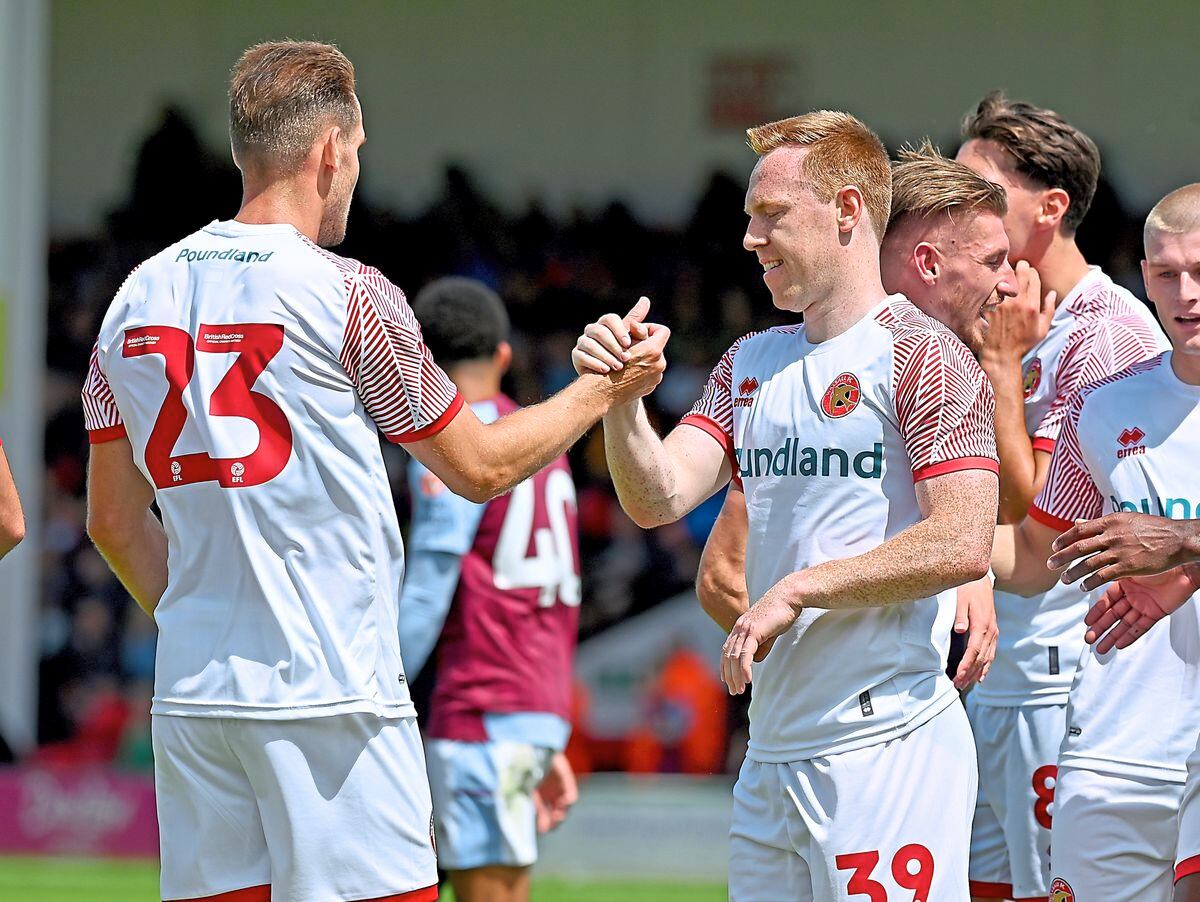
{"x": 969, "y": 561}
{"x": 105, "y": 529}
{"x": 12, "y": 533}
{"x": 648, "y": 518}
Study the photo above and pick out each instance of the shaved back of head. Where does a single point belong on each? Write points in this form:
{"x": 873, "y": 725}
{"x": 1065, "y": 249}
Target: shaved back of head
{"x": 1175, "y": 214}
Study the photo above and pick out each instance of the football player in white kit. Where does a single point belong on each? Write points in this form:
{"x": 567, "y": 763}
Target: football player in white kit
{"x": 241, "y": 380}
{"x": 1050, "y": 170}
{"x": 945, "y": 249}
{"x": 1133, "y": 718}
{"x": 863, "y": 439}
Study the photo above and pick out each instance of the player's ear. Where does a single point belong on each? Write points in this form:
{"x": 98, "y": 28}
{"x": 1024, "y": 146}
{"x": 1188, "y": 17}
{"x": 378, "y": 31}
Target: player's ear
{"x": 1055, "y": 202}
{"x": 850, "y": 208}
{"x": 925, "y": 261}
{"x": 503, "y": 357}
{"x": 331, "y": 151}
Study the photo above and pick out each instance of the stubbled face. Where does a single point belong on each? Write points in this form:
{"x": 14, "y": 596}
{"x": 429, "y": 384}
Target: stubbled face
{"x": 793, "y": 234}
{"x": 974, "y": 275}
{"x": 997, "y": 165}
{"x": 1172, "y": 273}
{"x": 336, "y": 215}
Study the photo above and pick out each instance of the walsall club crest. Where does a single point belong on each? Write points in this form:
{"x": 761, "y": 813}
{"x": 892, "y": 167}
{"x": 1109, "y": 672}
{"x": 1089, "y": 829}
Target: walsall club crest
{"x": 1031, "y": 378}
{"x": 842, "y": 396}
{"x": 1060, "y": 891}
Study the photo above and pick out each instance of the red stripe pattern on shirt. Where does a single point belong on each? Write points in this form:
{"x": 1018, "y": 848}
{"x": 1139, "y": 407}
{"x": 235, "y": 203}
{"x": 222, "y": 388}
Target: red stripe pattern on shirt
{"x": 1108, "y": 339}
{"x": 100, "y": 413}
{"x": 406, "y": 393}
{"x": 1070, "y": 492}
{"x": 943, "y": 400}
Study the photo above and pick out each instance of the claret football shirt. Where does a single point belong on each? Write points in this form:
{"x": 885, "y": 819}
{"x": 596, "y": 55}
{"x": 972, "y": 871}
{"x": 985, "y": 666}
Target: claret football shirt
{"x": 829, "y": 441}
{"x": 252, "y": 373}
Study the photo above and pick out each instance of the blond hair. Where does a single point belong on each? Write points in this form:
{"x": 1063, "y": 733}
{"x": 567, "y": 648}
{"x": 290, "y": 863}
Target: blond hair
{"x": 926, "y": 184}
{"x": 1175, "y": 214}
{"x": 282, "y": 95}
{"x": 842, "y": 151}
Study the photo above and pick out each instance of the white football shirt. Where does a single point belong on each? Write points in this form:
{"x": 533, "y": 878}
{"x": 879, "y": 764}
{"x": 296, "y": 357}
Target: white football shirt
{"x": 1130, "y": 444}
{"x": 1097, "y": 330}
{"x": 252, "y": 373}
{"x": 829, "y": 441}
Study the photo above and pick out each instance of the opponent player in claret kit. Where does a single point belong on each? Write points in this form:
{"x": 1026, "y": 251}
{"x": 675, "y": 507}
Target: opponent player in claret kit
{"x": 1128, "y": 443}
{"x": 243, "y": 389}
{"x": 1049, "y": 170}
{"x": 945, "y": 249}
{"x": 500, "y": 583}
{"x": 12, "y": 518}
{"x": 863, "y": 439}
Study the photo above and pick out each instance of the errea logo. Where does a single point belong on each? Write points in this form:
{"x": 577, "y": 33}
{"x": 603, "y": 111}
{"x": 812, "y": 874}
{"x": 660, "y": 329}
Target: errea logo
{"x": 1130, "y": 439}
{"x": 746, "y": 389}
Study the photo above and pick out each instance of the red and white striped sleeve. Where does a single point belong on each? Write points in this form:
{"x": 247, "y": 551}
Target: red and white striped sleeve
{"x": 944, "y": 405}
{"x": 1101, "y": 348}
{"x": 1070, "y": 493}
{"x": 100, "y": 413}
{"x": 406, "y": 393}
{"x": 713, "y": 412}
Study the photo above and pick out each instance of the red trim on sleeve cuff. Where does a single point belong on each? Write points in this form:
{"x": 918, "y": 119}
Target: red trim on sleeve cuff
{"x": 953, "y": 466}
{"x": 1048, "y": 519}
{"x": 107, "y": 434}
{"x": 719, "y": 435}
{"x": 1187, "y": 867}
{"x": 433, "y": 428}
{"x": 1041, "y": 443}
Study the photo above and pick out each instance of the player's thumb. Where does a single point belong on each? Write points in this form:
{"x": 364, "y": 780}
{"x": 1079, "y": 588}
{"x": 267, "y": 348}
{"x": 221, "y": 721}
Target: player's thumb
{"x": 658, "y": 336}
{"x": 638, "y": 312}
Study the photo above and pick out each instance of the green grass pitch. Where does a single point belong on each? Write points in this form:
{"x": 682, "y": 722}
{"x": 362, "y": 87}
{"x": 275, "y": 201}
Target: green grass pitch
{"x": 78, "y": 879}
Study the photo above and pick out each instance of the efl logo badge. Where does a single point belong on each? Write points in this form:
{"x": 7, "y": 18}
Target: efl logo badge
{"x": 1130, "y": 439}
{"x": 1060, "y": 891}
{"x": 1032, "y": 377}
{"x": 746, "y": 390}
{"x": 842, "y": 396}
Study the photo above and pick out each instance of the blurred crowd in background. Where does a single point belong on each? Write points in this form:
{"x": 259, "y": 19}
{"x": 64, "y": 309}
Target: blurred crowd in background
{"x": 556, "y": 274}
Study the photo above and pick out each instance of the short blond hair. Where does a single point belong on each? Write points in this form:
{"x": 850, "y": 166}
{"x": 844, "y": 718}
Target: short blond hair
{"x": 842, "y": 151}
{"x": 926, "y": 184}
{"x": 1175, "y": 214}
{"x": 282, "y": 94}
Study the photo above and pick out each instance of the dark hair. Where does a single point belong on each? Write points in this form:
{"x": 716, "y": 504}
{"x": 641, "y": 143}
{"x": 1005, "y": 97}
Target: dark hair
{"x": 1047, "y": 148}
{"x": 461, "y": 319}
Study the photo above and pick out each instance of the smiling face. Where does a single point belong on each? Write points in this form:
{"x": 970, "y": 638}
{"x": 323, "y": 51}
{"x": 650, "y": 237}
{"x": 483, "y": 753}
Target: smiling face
{"x": 793, "y": 234}
{"x": 1172, "y": 273}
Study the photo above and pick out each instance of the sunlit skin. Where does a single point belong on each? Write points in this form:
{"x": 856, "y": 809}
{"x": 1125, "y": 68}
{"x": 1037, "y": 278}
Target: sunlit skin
{"x": 1172, "y": 274}
{"x": 1025, "y": 197}
{"x": 790, "y": 232}
{"x": 336, "y": 214}
{"x": 957, "y": 272}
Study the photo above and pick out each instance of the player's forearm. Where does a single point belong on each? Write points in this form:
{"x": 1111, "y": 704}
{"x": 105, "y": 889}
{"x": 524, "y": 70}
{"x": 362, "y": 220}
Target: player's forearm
{"x": 721, "y": 588}
{"x": 12, "y": 518}
{"x": 136, "y": 550}
{"x": 1018, "y": 467}
{"x": 644, "y": 472}
{"x": 927, "y": 558}
{"x": 1019, "y": 559}
{"x": 518, "y": 445}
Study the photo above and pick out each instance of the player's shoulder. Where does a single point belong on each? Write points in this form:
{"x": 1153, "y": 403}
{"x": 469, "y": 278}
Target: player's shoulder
{"x": 1098, "y": 303}
{"x": 764, "y": 338}
{"x": 915, "y": 334}
{"x": 1117, "y": 389}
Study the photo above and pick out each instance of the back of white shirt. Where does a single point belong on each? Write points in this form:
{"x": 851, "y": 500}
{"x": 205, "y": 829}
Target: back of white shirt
{"x": 829, "y": 441}
{"x": 1097, "y": 330}
{"x": 252, "y": 373}
{"x": 1130, "y": 444}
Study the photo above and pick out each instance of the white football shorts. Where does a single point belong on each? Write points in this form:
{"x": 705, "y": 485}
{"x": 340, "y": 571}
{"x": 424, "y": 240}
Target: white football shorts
{"x": 483, "y": 801}
{"x": 306, "y": 810}
{"x": 1010, "y": 840}
{"x": 1114, "y": 837}
{"x": 890, "y": 821}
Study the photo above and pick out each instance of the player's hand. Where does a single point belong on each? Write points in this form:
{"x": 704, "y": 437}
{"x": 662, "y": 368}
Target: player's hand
{"x": 754, "y": 632}
{"x": 604, "y": 346}
{"x": 555, "y": 795}
{"x": 976, "y": 616}
{"x": 1129, "y": 607}
{"x": 1021, "y": 321}
{"x": 1122, "y": 545}
{"x": 644, "y": 369}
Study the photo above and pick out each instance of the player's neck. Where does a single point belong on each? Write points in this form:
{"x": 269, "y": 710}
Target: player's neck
{"x": 477, "y": 380}
{"x": 1061, "y": 267}
{"x": 279, "y": 202}
{"x": 1186, "y": 368}
{"x": 847, "y": 303}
